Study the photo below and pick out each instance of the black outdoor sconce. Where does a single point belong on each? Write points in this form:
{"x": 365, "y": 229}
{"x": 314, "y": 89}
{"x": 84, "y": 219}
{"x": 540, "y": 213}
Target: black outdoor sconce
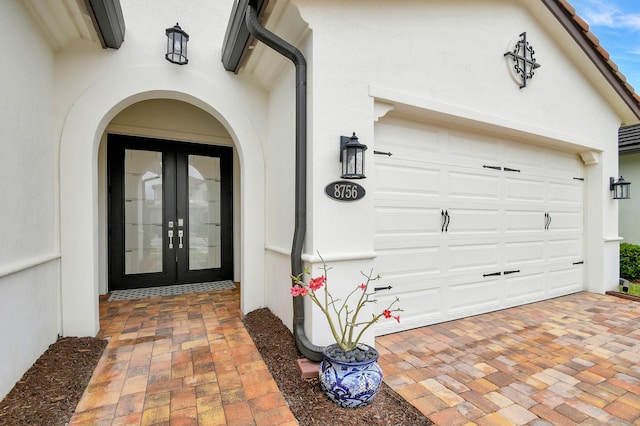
{"x": 177, "y": 45}
{"x": 352, "y": 157}
{"x": 620, "y": 188}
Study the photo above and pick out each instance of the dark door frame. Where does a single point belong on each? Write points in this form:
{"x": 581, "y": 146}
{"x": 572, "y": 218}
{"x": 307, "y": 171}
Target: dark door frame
{"x": 175, "y": 204}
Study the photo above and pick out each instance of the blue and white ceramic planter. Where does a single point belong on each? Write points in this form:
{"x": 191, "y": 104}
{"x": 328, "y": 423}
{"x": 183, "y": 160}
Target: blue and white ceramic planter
{"x": 350, "y": 384}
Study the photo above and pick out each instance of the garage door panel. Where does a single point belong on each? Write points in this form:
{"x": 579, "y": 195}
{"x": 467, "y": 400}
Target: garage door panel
{"x": 567, "y": 192}
{"x": 472, "y": 150}
{"x": 408, "y": 180}
{"x": 565, "y": 280}
{"x": 420, "y": 305}
{"x": 469, "y": 297}
{"x": 525, "y": 286}
{"x": 569, "y": 249}
{"x": 521, "y": 220}
{"x": 521, "y": 253}
{"x": 473, "y": 221}
{"x": 403, "y": 262}
{"x": 464, "y": 257}
{"x": 528, "y": 159}
{"x": 520, "y": 188}
{"x": 408, "y": 221}
{"x": 409, "y": 140}
{"x": 565, "y": 165}
{"x": 472, "y": 185}
{"x": 565, "y": 221}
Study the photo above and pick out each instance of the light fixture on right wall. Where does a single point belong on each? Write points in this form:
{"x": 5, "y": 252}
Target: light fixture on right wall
{"x": 620, "y": 188}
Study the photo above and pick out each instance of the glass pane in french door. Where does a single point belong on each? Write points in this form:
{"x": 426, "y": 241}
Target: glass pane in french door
{"x": 204, "y": 212}
{"x": 143, "y": 211}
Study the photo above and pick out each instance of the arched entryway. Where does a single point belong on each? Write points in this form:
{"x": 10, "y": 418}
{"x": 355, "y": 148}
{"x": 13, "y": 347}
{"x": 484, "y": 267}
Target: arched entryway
{"x": 85, "y": 127}
{"x": 168, "y": 181}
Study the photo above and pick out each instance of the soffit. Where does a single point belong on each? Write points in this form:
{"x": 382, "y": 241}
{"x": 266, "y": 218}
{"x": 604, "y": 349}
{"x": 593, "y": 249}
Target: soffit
{"x": 63, "y": 21}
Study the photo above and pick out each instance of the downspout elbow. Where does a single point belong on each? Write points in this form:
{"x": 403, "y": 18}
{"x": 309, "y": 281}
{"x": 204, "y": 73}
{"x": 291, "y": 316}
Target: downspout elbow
{"x": 308, "y": 349}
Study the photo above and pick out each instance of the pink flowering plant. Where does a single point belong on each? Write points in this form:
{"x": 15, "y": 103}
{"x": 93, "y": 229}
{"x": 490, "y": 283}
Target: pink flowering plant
{"x": 343, "y": 320}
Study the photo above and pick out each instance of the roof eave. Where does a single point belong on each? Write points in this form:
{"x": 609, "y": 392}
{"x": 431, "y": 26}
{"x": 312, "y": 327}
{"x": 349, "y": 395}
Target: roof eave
{"x": 237, "y": 37}
{"x": 108, "y": 21}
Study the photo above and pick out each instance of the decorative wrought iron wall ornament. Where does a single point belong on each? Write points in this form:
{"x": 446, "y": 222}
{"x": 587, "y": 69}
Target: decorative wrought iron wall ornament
{"x": 524, "y": 62}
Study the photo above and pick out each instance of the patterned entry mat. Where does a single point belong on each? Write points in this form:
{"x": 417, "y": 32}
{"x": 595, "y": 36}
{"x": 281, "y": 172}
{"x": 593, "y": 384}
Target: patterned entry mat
{"x": 170, "y": 290}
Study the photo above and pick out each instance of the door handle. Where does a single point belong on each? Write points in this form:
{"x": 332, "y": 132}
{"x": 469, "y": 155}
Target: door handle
{"x": 547, "y": 220}
{"x": 444, "y": 215}
{"x": 180, "y": 235}
{"x": 170, "y": 238}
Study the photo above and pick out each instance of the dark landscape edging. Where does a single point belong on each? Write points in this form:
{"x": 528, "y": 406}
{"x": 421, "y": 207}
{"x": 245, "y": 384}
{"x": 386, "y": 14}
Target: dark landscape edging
{"x": 624, "y": 295}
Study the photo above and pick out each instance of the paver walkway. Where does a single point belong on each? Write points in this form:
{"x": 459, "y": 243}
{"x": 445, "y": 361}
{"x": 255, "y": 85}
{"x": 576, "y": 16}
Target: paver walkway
{"x": 566, "y": 361}
{"x": 188, "y": 360}
{"x": 180, "y": 360}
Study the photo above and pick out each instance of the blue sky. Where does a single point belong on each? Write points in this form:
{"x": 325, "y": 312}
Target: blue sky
{"x": 617, "y": 24}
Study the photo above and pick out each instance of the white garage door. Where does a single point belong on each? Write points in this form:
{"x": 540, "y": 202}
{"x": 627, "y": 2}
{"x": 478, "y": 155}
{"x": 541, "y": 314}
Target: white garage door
{"x": 467, "y": 224}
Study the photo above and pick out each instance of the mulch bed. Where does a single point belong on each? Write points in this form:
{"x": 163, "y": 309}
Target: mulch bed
{"x": 47, "y": 394}
{"x": 305, "y": 397}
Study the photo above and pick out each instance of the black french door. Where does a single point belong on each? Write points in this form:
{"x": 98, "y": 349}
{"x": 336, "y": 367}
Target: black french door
{"x": 170, "y": 212}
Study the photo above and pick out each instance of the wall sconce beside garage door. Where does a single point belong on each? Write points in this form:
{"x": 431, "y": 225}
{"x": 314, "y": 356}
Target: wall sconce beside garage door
{"x": 352, "y": 157}
{"x": 620, "y": 188}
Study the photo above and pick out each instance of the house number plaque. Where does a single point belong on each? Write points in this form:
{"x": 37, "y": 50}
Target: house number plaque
{"x": 344, "y": 191}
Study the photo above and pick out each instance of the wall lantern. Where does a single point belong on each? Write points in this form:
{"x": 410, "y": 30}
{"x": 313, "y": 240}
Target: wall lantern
{"x": 177, "y": 45}
{"x": 352, "y": 157}
{"x": 620, "y": 188}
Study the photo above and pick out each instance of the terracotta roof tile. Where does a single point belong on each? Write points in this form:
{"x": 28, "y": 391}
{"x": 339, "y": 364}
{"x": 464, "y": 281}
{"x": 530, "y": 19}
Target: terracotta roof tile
{"x": 567, "y": 7}
{"x": 603, "y": 52}
{"x": 583, "y": 24}
{"x": 593, "y": 39}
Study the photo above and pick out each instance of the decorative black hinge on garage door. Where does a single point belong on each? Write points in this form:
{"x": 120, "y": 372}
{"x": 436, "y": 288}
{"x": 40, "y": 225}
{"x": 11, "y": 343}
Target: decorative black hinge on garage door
{"x": 493, "y": 274}
{"x": 382, "y": 288}
{"x": 492, "y": 167}
{"x": 507, "y": 169}
{"x": 579, "y": 263}
{"x": 388, "y": 154}
{"x": 576, "y": 178}
{"x": 515, "y": 271}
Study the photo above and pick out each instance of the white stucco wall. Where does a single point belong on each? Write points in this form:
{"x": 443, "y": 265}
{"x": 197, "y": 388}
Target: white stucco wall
{"x": 629, "y": 224}
{"x": 444, "y": 61}
{"x": 29, "y": 253}
{"x": 279, "y": 193}
{"x": 441, "y": 61}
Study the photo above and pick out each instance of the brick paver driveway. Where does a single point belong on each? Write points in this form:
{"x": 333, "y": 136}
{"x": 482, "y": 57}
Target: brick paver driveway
{"x": 565, "y": 361}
